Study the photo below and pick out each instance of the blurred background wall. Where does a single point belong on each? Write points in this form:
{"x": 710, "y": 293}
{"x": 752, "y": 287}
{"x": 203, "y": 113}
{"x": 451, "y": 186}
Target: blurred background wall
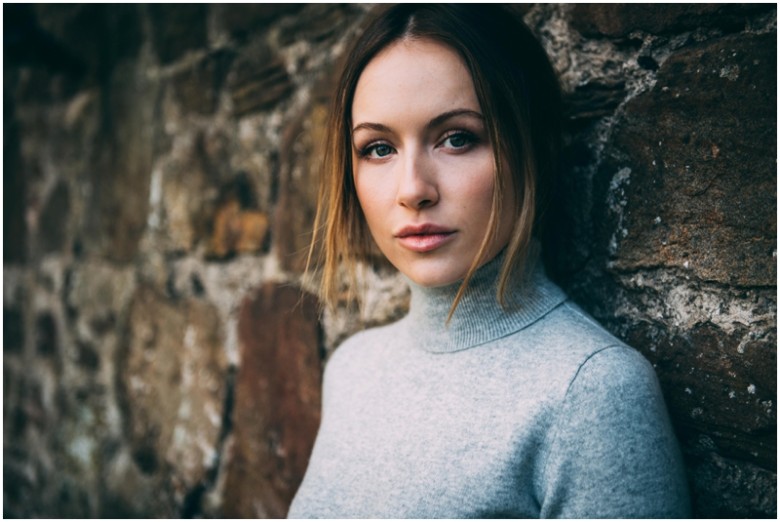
{"x": 162, "y": 355}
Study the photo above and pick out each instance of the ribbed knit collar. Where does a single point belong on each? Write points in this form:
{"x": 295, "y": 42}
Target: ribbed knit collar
{"x": 479, "y": 318}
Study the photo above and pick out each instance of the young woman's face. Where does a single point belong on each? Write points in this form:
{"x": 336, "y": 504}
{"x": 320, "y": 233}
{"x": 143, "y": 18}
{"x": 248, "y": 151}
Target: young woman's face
{"x": 423, "y": 165}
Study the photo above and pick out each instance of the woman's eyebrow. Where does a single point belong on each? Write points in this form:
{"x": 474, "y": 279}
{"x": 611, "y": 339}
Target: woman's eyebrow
{"x": 438, "y": 120}
{"x": 441, "y": 118}
{"x": 371, "y": 126}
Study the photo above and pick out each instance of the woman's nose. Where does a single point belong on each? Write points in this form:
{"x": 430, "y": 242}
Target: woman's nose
{"x": 417, "y": 187}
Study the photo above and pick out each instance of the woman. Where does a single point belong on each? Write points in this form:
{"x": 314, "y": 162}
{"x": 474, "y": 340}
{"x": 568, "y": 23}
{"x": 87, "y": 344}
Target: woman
{"x": 495, "y": 396}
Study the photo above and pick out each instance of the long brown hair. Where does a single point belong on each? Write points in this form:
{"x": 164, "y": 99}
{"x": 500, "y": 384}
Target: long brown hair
{"x": 519, "y": 96}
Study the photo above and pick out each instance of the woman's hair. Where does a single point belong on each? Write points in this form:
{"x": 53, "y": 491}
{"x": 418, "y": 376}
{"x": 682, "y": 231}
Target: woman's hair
{"x": 519, "y": 96}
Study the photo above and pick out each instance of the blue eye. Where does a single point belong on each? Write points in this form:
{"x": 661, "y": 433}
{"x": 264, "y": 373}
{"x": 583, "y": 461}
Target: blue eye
{"x": 382, "y": 150}
{"x": 377, "y": 151}
{"x": 459, "y": 140}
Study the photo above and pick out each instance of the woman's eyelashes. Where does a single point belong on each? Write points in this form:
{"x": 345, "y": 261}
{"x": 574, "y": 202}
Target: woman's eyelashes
{"x": 376, "y": 150}
{"x": 454, "y": 141}
{"x": 459, "y": 140}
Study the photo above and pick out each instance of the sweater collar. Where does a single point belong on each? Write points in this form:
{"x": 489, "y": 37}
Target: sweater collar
{"x": 479, "y": 318}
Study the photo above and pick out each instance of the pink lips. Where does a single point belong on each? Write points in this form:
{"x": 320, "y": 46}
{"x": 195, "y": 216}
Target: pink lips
{"x": 424, "y": 238}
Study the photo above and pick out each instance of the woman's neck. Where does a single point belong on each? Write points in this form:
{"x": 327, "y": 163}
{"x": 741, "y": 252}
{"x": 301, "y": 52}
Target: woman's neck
{"x": 479, "y": 318}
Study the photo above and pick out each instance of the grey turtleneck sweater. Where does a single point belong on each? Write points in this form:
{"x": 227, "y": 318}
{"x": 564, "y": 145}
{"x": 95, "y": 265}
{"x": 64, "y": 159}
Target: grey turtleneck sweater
{"x": 534, "y": 411}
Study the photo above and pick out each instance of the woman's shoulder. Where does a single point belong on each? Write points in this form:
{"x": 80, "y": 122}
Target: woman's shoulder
{"x": 569, "y": 341}
{"x": 613, "y": 418}
{"x": 570, "y": 322}
{"x": 591, "y": 361}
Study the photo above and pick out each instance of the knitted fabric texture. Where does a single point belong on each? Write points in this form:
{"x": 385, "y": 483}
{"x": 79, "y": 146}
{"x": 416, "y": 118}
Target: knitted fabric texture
{"x": 533, "y": 411}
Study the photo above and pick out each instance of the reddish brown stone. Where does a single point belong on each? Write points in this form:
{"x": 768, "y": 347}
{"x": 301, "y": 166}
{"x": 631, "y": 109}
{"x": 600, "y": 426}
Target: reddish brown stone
{"x": 692, "y": 178}
{"x": 277, "y": 401}
{"x": 237, "y": 231}
{"x": 237, "y": 226}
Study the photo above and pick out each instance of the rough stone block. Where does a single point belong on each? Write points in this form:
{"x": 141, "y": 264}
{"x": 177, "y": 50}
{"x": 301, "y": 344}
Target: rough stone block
{"x": 242, "y": 19}
{"x": 718, "y": 385}
{"x": 14, "y": 188}
{"x": 96, "y": 294}
{"x": 237, "y": 227}
{"x": 178, "y": 28}
{"x": 42, "y": 39}
{"x": 693, "y": 170}
{"x": 618, "y": 20}
{"x": 13, "y": 330}
{"x": 173, "y": 377}
{"x": 302, "y": 150}
{"x": 118, "y": 399}
{"x": 316, "y": 23}
{"x": 91, "y": 38}
{"x": 258, "y": 81}
{"x": 47, "y": 337}
{"x": 723, "y": 488}
{"x": 197, "y": 87}
{"x": 54, "y": 220}
{"x": 593, "y": 100}
{"x": 119, "y": 171}
{"x": 277, "y": 401}
{"x": 189, "y": 189}
{"x": 237, "y": 231}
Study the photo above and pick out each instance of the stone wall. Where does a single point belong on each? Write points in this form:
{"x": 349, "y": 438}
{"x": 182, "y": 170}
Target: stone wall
{"x": 162, "y": 354}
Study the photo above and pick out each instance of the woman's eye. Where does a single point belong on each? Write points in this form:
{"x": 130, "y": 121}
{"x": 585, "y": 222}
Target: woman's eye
{"x": 377, "y": 151}
{"x": 458, "y": 140}
{"x": 382, "y": 150}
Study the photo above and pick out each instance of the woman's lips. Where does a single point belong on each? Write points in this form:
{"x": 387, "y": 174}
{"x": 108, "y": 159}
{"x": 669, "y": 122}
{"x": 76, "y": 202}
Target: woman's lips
{"x": 424, "y": 238}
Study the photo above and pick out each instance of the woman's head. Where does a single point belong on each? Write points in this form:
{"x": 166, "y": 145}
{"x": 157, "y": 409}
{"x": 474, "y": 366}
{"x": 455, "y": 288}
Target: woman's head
{"x": 445, "y": 124}
{"x": 422, "y": 163}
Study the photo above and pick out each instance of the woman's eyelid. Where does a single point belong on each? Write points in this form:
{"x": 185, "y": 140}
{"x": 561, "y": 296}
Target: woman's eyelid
{"x": 465, "y": 125}
{"x": 371, "y": 147}
{"x": 458, "y": 132}
{"x": 365, "y": 145}
{"x": 365, "y": 137}
{"x": 471, "y": 137}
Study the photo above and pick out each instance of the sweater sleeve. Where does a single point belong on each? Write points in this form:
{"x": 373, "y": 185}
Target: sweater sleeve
{"x": 612, "y": 452}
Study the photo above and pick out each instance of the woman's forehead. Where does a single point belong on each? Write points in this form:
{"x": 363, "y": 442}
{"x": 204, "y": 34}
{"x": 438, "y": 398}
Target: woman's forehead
{"x": 413, "y": 78}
